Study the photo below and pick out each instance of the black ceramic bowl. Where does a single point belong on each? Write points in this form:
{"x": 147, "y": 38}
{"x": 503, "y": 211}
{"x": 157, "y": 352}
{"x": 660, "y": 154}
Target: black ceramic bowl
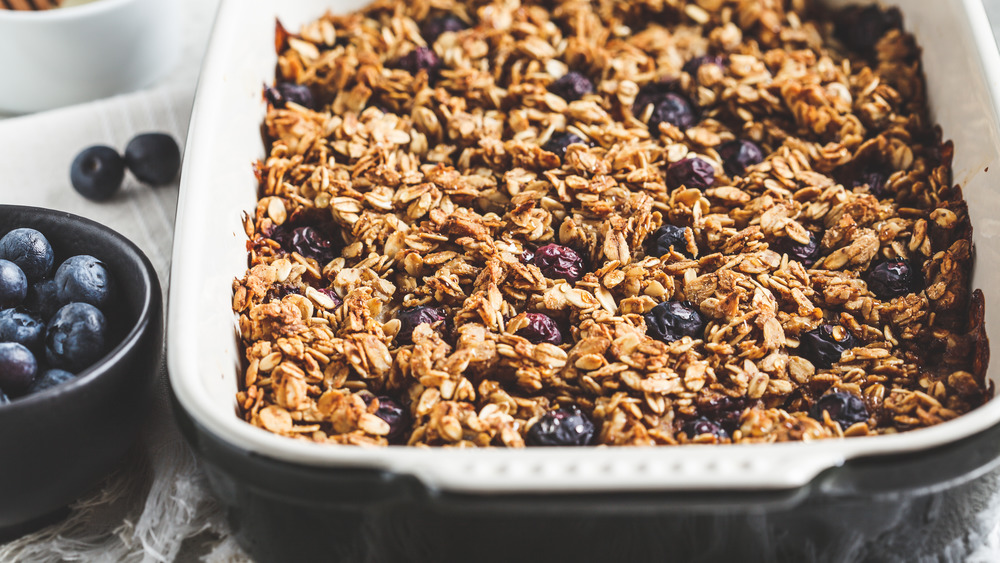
{"x": 56, "y": 444}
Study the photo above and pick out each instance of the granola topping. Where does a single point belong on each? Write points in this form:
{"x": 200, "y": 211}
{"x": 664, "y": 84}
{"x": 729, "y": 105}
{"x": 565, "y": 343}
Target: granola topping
{"x": 509, "y": 223}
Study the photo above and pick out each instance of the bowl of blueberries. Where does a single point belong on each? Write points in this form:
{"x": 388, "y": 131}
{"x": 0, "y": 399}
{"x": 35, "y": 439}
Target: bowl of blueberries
{"x": 81, "y": 333}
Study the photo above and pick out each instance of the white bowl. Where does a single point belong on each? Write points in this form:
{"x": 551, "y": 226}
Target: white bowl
{"x": 65, "y": 56}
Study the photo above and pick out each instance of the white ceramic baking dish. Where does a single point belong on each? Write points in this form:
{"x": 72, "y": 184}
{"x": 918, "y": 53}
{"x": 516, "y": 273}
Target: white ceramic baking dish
{"x": 963, "y": 77}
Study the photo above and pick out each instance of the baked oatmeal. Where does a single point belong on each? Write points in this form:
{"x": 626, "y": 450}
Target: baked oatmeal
{"x": 511, "y": 223}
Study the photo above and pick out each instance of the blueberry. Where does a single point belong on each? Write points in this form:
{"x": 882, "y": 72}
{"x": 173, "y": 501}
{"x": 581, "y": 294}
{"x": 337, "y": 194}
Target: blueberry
{"x": 76, "y": 337}
{"x": 527, "y": 257}
{"x": 843, "y": 407}
{"x": 30, "y": 250}
{"x": 419, "y": 59}
{"x": 572, "y": 86}
{"x": 672, "y": 320}
{"x": 725, "y": 410}
{"x": 667, "y": 237}
{"x": 891, "y": 278}
{"x": 560, "y": 141}
{"x": 667, "y": 106}
{"x": 50, "y": 378}
{"x": 693, "y": 172}
{"x": 390, "y": 411}
{"x": 561, "y": 427}
{"x": 84, "y": 279}
{"x": 13, "y": 284}
{"x": 738, "y": 155}
{"x": 824, "y": 345}
{"x": 806, "y": 254}
{"x": 691, "y": 67}
{"x": 43, "y": 299}
{"x": 337, "y": 301}
{"x": 285, "y": 92}
{"x": 702, "y": 425}
{"x": 307, "y": 241}
{"x": 860, "y": 28}
{"x": 154, "y": 158}
{"x": 559, "y": 262}
{"x": 541, "y": 328}
{"x": 875, "y": 179}
{"x": 18, "y": 367}
{"x": 434, "y": 27}
{"x": 412, "y": 317}
{"x": 22, "y": 328}
{"x": 97, "y": 173}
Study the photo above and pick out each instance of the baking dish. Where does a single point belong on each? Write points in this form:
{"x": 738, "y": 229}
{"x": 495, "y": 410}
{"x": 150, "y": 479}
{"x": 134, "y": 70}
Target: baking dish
{"x": 203, "y": 355}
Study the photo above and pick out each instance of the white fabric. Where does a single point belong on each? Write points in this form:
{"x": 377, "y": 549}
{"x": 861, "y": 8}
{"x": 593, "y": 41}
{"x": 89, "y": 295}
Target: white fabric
{"x": 156, "y": 505}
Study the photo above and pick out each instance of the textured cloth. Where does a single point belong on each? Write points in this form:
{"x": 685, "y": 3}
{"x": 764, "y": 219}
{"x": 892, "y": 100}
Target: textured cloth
{"x": 156, "y": 506}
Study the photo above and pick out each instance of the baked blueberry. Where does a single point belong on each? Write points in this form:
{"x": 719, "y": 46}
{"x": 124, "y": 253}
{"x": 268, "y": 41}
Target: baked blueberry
{"x": 390, "y": 411}
{"x": 667, "y": 106}
{"x": 559, "y": 262}
{"x": 43, "y": 299}
{"x": 419, "y": 59}
{"x": 154, "y": 158}
{"x": 691, "y": 67}
{"x": 672, "y": 320}
{"x": 18, "y": 367}
{"x": 337, "y": 301}
{"x": 284, "y": 92}
{"x": 412, "y": 317}
{"x": 823, "y": 345}
{"x": 76, "y": 337}
{"x": 702, "y": 425}
{"x": 843, "y": 407}
{"x": 891, "y": 278}
{"x": 83, "y": 279}
{"x": 20, "y": 327}
{"x": 97, "y": 173}
{"x": 434, "y": 27}
{"x": 860, "y": 28}
{"x": 726, "y": 411}
{"x": 567, "y": 426}
{"x": 560, "y": 141}
{"x": 806, "y": 254}
{"x": 30, "y": 250}
{"x": 875, "y": 179}
{"x": 572, "y": 86}
{"x": 738, "y": 155}
{"x": 307, "y": 241}
{"x": 541, "y": 328}
{"x": 13, "y": 284}
{"x": 666, "y": 238}
{"x": 50, "y": 378}
{"x": 692, "y": 172}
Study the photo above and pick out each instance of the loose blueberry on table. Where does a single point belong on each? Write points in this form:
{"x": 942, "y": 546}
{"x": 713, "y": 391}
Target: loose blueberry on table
{"x": 673, "y": 320}
{"x": 97, "y": 173}
{"x": 154, "y": 158}
{"x": 567, "y": 426}
{"x": 824, "y": 345}
{"x": 843, "y": 407}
